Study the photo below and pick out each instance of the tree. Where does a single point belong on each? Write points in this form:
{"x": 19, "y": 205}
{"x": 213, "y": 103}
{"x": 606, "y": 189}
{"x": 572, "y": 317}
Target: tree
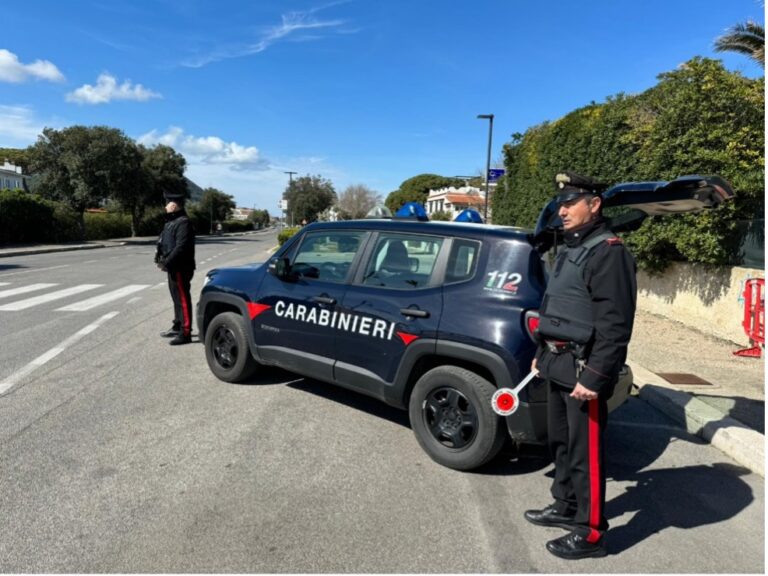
{"x": 17, "y": 157}
{"x": 417, "y": 189}
{"x": 356, "y": 201}
{"x": 747, "y": 39}
{"x": 82, "y": 165}
{"x": 308, "y": 196}
{"x": 214, "y": 206}
{"x": 259, "y": 218}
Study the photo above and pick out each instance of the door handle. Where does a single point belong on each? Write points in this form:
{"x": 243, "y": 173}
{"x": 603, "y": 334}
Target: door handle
{"x": 324, "y": 300}
{"x": 415, "y": 312}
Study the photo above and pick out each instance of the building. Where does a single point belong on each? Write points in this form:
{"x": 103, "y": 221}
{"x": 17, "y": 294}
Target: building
{"x": 241, "y": 213}
{"x": 454, "y": 200}
{"x": 11, "y": 177}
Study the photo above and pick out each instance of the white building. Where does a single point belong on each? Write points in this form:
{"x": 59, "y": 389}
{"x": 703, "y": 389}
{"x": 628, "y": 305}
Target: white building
{"x": 241, "y": 213}
{"x": 454, "y": 200}
{"x": 10, "y": 177}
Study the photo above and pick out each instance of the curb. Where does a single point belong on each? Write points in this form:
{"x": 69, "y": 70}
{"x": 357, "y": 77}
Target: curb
{"x": 30, "y": 251}
{"x": 745, "y": 445}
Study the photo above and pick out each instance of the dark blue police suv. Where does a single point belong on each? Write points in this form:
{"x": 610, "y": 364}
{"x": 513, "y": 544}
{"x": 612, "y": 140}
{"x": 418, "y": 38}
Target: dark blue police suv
{"x": 431, "y": 317}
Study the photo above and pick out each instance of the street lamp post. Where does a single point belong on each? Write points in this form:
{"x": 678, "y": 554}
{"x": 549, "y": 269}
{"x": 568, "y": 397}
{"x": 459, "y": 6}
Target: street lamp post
{"x": 488, "y": 117}
{"x": 290, "y": 183}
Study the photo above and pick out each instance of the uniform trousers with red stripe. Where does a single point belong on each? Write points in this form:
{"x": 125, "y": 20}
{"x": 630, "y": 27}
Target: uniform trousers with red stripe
{"x": 576, "y": 429}
{"x": 178, "y": 283}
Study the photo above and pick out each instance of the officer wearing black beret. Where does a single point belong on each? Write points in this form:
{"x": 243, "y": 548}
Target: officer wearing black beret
{"x": 585, "y": 325}
{"x": 176, "y": 256}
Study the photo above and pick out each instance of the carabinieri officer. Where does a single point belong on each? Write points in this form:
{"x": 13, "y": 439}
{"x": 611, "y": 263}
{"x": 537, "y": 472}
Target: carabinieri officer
{"x": 585, "y": 325}
{"x": 176, "y": 255}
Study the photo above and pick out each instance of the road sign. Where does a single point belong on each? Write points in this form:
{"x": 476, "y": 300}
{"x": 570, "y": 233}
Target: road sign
{"x": 284, "y": 204}
{"x": 494, "y": 174}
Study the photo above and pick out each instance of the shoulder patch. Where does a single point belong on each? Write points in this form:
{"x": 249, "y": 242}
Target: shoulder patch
{"x": 615, "y": 240}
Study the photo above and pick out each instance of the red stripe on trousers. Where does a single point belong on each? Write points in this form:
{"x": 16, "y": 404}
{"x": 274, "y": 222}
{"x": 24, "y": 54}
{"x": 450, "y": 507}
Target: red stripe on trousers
{"x": 594, "y": 471}
{"x": 187, "y": 326}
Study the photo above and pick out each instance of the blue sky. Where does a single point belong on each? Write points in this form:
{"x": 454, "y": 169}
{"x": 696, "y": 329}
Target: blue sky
{"x": 360, "y": 91}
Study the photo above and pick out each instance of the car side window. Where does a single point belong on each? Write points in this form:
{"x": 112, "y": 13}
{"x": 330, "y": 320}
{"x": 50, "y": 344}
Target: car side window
{"x": 462, "y": 260}
{"x": 325, "y": 255}
{"x": 403, "y": 261}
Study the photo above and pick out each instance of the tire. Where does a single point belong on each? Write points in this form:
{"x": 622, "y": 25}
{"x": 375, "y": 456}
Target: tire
{"x": 226, "y": 348}
{"x": 451, "y": 416}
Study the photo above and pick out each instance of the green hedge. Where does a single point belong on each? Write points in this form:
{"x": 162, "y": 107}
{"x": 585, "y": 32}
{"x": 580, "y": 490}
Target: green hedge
{"x": 27, "y": 218}
{"x": 237, "y": 225}
{"x": 103, "y": 226}
{"x": 698, "y": 119}
{"x": 286, "y": 233}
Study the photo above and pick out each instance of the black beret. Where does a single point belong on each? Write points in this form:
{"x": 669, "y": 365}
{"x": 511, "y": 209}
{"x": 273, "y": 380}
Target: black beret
{"x": 571, "y": 185}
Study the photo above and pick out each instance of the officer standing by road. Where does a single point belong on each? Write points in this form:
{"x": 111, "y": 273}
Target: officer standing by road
{"x": 176, "y": 255}
{"x": 585, "y": 325}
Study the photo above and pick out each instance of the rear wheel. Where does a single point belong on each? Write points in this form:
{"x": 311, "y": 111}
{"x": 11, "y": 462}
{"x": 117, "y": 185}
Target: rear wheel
{"x": 451, "y": 416}
{"x": 226, "y": 348}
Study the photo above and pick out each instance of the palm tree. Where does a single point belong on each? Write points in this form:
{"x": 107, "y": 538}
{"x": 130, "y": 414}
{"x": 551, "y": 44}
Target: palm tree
{"x": 748, "y": 39}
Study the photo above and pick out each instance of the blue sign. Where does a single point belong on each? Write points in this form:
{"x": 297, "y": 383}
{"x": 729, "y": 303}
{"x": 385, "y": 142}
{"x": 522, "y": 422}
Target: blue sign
{"x": 494, "y": 174}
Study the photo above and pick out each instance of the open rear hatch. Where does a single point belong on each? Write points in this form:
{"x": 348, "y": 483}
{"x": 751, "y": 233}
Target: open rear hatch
{"x": 628, "y": 204}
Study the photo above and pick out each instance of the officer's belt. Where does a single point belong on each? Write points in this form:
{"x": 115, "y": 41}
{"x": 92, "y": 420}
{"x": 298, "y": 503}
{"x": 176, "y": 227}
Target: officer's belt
{"x": 558, "y": 346}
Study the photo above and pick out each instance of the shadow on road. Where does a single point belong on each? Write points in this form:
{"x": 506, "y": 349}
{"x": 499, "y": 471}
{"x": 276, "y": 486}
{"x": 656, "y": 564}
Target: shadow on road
{"x": 661, "y": 498}
{"x": 10, "y": 266}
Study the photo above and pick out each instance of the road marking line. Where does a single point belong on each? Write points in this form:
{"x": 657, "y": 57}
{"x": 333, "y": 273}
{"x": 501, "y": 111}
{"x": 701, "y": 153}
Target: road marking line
{"x": 134, "y": 299}
{"x": 29, "y": 302}
{"x": 14, "y": 378}
{"x": 4, "y": 283}
{"x": 102, "y": 298}
{"x": 159, "y": 285}
{"x": 23, "y": 289}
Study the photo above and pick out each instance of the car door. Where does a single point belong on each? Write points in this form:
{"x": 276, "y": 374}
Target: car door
{"x": 629, "y": 203}
{"x": 393, "y": 304}
{"x": 296, "y": 328}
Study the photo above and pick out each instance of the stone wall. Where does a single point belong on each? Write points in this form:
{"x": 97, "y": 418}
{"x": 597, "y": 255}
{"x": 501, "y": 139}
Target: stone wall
{"x": 708, "y": 298}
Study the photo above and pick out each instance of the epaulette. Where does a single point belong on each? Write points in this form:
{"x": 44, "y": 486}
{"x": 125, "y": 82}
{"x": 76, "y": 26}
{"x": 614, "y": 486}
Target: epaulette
{"x": 615, "y": 240}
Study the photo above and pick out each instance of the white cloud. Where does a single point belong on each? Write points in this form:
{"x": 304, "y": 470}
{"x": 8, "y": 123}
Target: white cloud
{"x": 207, "y": 150}
{"x": 292, "y": 23}
{"x": 107, "y": 89}
{"x": 18, "y": 126}
{"x": 11, "y": 70}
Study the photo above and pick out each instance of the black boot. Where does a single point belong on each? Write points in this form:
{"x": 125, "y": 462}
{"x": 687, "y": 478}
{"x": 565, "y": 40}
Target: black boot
{"x": 549, "y": 516}
{"x": 573, "y": 546}
{"x": 170, "y": 333}
{"x": 180, "y": 339}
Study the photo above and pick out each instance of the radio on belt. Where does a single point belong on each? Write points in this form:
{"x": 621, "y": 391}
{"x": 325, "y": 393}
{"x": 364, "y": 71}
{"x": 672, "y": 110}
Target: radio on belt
{"x": 506, "y": 400}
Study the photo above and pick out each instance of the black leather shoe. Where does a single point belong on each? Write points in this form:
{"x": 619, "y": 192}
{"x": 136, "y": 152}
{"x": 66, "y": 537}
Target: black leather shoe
{"x": 574, "y": 547}
{"x": 170, "y": 333}
{"x": 180, "y": 339}
{"x": 549, "y": 516}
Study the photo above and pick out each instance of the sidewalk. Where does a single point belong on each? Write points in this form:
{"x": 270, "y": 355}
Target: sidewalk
{"x": 28, "y": 249}
{"x": 729, "y": 412}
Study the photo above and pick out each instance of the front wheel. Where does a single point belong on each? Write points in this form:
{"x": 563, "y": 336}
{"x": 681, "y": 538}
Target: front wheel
{"x": 451, "y": 416}
{"x": 226, "y": 348}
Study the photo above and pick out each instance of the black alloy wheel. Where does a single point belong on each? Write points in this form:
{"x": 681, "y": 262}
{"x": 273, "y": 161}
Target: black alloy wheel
{"x": 226, "y": 348}
{"x": 450, "y": 417}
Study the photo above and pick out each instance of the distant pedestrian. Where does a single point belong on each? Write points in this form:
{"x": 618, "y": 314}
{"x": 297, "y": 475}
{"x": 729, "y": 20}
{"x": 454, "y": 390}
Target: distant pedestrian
{"x": 219, "y": 229}
{"x": 585, "y": 325}
{"x": 176, "y": 256}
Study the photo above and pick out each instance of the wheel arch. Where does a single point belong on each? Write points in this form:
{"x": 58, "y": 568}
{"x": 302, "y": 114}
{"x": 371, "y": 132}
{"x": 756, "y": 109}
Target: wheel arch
{"x": 480, "y": 361}
{"x": 213, "y": 305}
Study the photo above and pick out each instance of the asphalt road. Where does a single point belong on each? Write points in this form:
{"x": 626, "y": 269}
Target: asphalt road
{"x": 119, "y": 453}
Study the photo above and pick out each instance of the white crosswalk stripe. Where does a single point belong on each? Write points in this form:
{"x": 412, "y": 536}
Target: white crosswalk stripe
{"x": 23, "y": 289}
{"x": 103, "y": 298}
{"x": 51, "y": 296}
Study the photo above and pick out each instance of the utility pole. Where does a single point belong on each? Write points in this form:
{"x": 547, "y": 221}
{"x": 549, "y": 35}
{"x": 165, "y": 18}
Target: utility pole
{"x": 290, "y": 184}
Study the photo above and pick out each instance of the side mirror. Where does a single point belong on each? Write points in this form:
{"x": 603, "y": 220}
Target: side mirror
{"x": 279, "y": 267}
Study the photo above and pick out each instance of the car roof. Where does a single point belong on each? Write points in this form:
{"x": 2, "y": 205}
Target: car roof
{"x": 464, "y": 229}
